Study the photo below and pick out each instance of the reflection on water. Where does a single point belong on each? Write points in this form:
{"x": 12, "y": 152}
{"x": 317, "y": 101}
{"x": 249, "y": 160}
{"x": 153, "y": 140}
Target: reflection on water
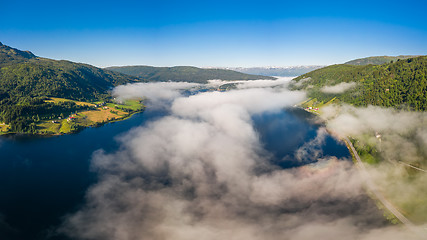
{"x": 284, "y": 132}
{"x": 42, "y": 179}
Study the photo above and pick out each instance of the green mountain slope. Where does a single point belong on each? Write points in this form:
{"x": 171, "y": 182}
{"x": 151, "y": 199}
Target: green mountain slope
{"x": 44, "y": 77}
{"x": 10, "y": 55}
{"x": 402, "y": 84}
{"x": 22, "y": 74}
{"x": 184, "y": 74}
{"x": 378, "y": 60}
{"x": 26, "y": 80}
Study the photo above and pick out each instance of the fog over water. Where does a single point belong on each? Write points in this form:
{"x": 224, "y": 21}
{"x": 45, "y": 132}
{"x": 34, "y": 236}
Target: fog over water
{"x": 399, "y": 138}
{"x": 203, "y": 172}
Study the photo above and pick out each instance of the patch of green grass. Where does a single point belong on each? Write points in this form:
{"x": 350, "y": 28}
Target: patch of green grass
{"x": 57, "y": 100}
{"x": 367, "y": 149}
{"x": 416, "y": 208}
{"x": 402, "y": 189}
{"x": 135, "y": 105}
{"x": 4, "y": 128}
{"x": 131, "y": 104}
{"x": 387, "y": 214}
{"x": 368, "y": 158}
{"x": 83, "y": 120}
{"x": 49, "y": 127}
{"x": 92, "y": 117}
{"x": 67, "y": 126}
{"x": 310, "y": 103}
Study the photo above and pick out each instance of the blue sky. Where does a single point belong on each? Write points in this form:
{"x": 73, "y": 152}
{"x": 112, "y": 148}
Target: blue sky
{"x": 214, "y": 33}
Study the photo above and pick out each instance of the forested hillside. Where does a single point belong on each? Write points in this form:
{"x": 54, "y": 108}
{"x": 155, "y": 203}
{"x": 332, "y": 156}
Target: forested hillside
{"x": 10, "y": 55}
{"x": 378, "y": 60}
{"x": 184, "y": 74}
{"x": 401, "y": 84}
{"x": 44, "y": 77}
{"x": 26, "y": 80}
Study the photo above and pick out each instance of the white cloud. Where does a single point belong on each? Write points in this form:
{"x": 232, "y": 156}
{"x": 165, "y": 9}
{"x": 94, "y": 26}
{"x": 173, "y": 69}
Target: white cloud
{"x": 201, "y": 173}
{"x": 300, "y": 82}
{"x": 156, "y": 92}
{"x": 396, "y": 136}
{"x": 339, "y": 88}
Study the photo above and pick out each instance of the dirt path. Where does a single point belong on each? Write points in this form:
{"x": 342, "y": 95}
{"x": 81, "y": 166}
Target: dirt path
{"x": 372, "y": 187}
{"x": 411, "y": 166}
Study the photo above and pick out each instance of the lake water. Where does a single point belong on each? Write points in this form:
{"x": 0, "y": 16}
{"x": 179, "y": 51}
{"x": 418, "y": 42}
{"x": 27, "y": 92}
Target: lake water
{"x": 43, "y": 179}
{"x": 285, "y": 131}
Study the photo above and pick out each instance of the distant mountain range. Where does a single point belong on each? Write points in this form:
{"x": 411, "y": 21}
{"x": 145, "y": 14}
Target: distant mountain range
{"x": 378, "y": 60}
{"x": 26, "y": 82}
{"x": 183, "y": 74}
{"x": 23, "y": 74}
{"x": 292, "y": 71}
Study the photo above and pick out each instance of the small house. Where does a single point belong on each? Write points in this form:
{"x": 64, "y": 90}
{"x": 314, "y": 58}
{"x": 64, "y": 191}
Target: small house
{"x": 71, "y": 119}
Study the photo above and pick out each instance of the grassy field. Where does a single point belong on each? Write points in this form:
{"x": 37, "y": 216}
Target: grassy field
{"x": 48, "y": 127}
{"x": 314, "y": 103}
{"x": 413, "y": 203}
{"x": 56, "y": 100}
{"x": 104, "y": 112}
{"x": 405, "y": 189}
{"x": 3, "y": 128}
{"x": 132, "y": 104}
{"x": 65, "y": 127}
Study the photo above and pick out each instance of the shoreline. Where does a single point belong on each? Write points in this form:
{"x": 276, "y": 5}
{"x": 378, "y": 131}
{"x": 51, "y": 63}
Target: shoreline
{"x": 80, "y": 128}
{"x": 390, "y": 212}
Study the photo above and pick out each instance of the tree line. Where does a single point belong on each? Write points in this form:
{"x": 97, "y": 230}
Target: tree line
{"x": 401, "y": 84}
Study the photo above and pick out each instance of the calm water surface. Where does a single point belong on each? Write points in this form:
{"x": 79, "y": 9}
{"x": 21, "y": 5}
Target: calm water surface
{"x": 43, "y": 179}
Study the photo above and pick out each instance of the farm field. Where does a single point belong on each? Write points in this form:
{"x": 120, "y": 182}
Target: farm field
{"x": 3, "y": 128}
{"x": 102, "y": 113}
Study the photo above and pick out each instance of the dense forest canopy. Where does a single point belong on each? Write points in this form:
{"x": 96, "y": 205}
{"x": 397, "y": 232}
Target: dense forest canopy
{"x": 378, "y": 60}
{"x": 10, "y": 55}
{"x": 44, "y": 77}
{"x": 26, "y": 80}
{"x": 400, "y": 84}
{"x": 184, "y": 74}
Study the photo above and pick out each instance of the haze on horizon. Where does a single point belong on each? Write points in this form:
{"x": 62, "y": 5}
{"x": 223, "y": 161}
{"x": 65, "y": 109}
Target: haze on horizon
{"x": 215, "y": 34}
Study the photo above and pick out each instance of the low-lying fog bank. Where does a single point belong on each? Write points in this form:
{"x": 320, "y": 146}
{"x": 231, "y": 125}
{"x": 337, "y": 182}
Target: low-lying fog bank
{"x": 201, "y": 173}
